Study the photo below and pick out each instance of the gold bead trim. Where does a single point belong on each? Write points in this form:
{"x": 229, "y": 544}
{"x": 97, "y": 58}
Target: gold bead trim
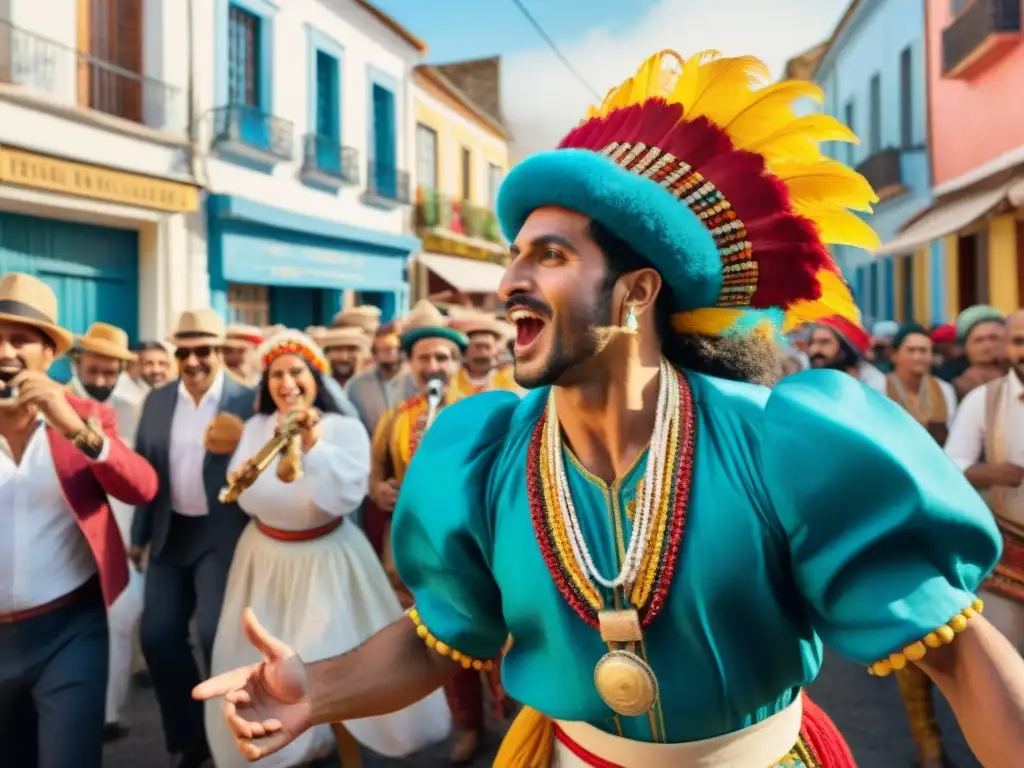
{"x": 467, "y": 662}
{"x": 944, "y": 635}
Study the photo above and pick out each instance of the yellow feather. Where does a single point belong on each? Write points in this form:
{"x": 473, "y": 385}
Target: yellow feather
{"x": 685, "y": 90}
{"x": 841, "y": 227}
{"x": 836, "y": 299}
{"x": 791, "y": 149}
{"x": 708, "y": 321}
{"x": 826, "y": 181}
{"x": 721, "y": 100}
{"x": 815, "y": 128}
{"x": 771, "y": 108}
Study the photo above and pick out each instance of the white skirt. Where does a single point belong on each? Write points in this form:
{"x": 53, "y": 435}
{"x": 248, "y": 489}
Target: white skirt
{"x": 323, "y": 598}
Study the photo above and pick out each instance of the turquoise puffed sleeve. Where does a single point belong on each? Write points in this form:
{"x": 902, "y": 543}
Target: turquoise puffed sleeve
{"x": 442, "y": 529}
{"x": 888, "y": 540}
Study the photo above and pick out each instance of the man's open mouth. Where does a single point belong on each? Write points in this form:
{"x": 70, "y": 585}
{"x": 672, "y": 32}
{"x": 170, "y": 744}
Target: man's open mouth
{"x": 528, "y": 326}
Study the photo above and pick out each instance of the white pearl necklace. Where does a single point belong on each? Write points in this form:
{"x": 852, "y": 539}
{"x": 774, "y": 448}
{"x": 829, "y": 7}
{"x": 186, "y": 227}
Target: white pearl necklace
{"x": 666, "y": 414}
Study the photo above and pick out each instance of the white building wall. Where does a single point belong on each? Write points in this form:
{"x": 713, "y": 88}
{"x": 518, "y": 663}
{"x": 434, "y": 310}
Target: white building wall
{"x": 367, "y": 43}
{"x": 39, "y": 112}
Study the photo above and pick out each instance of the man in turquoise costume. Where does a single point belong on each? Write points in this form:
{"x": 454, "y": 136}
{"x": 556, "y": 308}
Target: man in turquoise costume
{"x": 644, "y": 524}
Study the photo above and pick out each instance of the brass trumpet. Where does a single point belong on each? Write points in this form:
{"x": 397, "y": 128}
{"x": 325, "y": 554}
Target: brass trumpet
{"x": 289, "y": 469}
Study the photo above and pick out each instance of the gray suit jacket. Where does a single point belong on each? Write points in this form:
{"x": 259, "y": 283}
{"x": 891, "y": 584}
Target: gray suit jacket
{"x": 152, "y": 522}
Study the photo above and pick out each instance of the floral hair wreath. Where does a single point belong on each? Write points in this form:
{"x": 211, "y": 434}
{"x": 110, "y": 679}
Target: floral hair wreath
{"x": 294, "y": 343}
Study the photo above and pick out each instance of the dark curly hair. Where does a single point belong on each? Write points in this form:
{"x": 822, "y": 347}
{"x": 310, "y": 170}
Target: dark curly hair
{"x": 749, "y": 358}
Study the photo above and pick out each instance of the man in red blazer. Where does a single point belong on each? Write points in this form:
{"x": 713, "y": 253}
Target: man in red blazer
{"x": 62, "y": 558}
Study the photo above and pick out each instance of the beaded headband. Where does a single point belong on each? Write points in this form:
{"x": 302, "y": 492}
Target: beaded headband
{"x": 294, "y": 343}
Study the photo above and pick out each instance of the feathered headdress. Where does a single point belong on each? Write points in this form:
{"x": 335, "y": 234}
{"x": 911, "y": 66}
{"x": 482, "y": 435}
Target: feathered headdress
{"x": 710, "y": 175}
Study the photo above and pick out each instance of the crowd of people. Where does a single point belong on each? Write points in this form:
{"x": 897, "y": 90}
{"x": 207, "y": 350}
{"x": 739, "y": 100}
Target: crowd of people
{"x": 305, "y": 542}
{"x": 369, "y": 534}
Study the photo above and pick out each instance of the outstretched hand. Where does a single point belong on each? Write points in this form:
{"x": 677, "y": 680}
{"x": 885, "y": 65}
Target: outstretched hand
{"x": 266, "y": 705}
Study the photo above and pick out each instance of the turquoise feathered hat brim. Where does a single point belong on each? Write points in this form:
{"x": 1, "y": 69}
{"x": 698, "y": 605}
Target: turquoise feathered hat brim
{"x": 411, "y": 336}
{"x": 637, "y": 210}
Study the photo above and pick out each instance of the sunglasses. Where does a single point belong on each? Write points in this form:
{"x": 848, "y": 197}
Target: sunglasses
{"x": 201, "y": 353}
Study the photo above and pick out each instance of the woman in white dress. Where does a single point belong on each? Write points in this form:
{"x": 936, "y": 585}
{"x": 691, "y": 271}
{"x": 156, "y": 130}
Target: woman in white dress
{"x": 312, "y": 578}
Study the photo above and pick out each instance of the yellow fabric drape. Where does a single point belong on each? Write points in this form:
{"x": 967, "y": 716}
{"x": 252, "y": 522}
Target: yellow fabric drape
{"x": 529, "y": 743}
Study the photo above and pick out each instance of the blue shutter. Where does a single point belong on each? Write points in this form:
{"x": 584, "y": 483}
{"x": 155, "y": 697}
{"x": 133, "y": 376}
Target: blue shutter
{"x": 328, "y": 139}
{"x": 385, "y": 172}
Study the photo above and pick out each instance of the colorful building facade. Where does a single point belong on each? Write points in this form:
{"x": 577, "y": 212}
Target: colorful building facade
{"x": 461, "y": 158}
{"x": 873, "y": 75}
{"x": 975, "y": 64}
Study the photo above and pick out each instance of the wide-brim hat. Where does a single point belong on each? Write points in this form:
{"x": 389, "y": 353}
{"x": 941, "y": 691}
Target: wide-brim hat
{"x": 241, "y": 336}
{"x": 365, "y": 317}
{"x": 471, "y": 323}
{"x": 719, "y": 187}
{"x": 426, "y": 322}
{"x": 344, "y": 337}
{"x": 29, "y": 301}
{"x": 106, "y": 340}
{"x": 198, "y": 328}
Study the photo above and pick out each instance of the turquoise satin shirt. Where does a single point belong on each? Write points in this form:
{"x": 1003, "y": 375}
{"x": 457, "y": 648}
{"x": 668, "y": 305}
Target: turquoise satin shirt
{"x": 819, "y": 511}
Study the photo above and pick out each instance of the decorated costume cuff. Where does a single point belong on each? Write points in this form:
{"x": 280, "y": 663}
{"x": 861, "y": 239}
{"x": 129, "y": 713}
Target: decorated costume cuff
{"x": 941, "y": 636}
{"x": 467, "y": 662}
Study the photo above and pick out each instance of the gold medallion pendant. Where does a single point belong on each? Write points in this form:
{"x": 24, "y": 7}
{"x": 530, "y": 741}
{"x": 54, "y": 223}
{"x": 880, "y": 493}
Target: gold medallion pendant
{"x": 626, "y": 683}
{"x": 623, "y": 680}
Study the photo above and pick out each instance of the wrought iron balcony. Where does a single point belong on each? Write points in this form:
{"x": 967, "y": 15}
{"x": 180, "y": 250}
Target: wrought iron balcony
{"x": 388, "y": 183}
{"x": 80, "y": 79}
{"x": 325, "y": 161}
{"x": 882, "y": 170}
{"x": 436, "y": 211}
{"x": 245, "y": 131}
{"x": 981, "y": 30}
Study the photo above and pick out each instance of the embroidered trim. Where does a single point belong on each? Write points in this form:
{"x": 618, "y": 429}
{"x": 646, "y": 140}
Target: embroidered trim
{"x": 944, "y": 635}
{"x": 467, "y": 662}
{"x": 651, "y": 589}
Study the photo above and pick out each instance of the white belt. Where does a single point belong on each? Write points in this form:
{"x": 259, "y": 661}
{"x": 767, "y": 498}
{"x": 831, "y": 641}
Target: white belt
{"x": 758, "y": 746}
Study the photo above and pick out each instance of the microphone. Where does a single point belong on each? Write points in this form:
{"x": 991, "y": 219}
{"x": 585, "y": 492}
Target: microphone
{"x": 435, "y": 394}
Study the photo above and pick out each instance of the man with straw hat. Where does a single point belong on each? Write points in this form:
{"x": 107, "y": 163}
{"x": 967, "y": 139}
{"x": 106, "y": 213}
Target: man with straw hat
{"x": 101, "y": 356}
{"x": 240, "y": 352}
{"x": 479, "y": 371}
{"x": 669, "y": 540}
{"x": 346, "y": 347}
{"x": 187, "y": 431}
{"x": 62, "y": 558}
{"x": 366, "y": 317}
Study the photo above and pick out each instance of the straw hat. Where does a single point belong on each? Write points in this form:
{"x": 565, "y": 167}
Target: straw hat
{"x": 241, "y": 336}
{"x": 344, "y": 337}
{"x": 27, "y": 300}
{"x": 199, "y": 328}
{"x": 425, "y": 321}
{"x": 107, "y": 340}
{"x": 471, "y": 323}
{"x": 366, "y": 317}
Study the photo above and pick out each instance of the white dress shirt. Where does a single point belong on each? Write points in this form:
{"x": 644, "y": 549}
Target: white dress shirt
{"x": 966, "y": 442}
{"x": 188, "y": 426}
{"x": 43, "y": 553}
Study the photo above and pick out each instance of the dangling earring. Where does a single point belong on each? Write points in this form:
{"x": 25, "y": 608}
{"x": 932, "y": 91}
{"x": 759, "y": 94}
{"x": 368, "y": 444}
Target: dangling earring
{"x": 630, "y": 323}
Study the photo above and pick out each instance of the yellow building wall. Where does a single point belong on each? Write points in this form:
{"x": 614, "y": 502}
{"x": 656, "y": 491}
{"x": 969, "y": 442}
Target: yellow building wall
{"x": 951, "y": 247}
{"x": 1002, "y": 264}
{"x": 453, "y": 135}
{"x": 922, "y": 286}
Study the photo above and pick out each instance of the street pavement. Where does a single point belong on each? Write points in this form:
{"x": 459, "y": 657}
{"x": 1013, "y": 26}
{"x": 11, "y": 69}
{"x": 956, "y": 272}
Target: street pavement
{"x": 867, "y": 709}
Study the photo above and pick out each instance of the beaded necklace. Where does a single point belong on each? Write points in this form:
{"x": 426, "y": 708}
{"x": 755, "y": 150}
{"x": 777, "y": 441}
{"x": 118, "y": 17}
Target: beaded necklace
{"x": 624, "y": 681}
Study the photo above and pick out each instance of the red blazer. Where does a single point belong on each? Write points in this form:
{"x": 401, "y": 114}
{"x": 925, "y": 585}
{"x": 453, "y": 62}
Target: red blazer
{"x": 86, "y": 484}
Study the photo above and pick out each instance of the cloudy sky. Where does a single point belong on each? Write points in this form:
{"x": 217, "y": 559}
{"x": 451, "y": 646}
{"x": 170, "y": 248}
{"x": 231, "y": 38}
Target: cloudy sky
{"x": 604, "y": 41}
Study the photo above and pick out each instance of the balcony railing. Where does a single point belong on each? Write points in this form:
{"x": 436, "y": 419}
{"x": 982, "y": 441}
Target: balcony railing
{"x": 75, "y": 78}
{"x": 386, "y": 182}
{"x": 325, "y": 160}
{"x": 882, "y": 170}
{"x": 979, "y": 28}
{"x": 436, "y": 211}
{"x": 240, "y": 129}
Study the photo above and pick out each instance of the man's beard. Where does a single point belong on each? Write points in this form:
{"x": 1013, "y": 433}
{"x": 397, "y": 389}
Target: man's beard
{"x": 343, "y": 371}
{"x": 573, "y": 340}
{"x": 843, "y": 361}
{"x": 99, "y": 394}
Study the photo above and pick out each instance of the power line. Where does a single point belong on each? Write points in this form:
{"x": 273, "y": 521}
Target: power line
{"x": 554, "y": 48}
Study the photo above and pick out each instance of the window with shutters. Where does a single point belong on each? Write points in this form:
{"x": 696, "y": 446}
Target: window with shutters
{"x": 110, "y": 76}
{"x": 244, "y": 58}
{"x": 249, "y": 304}
{"x": 426, "y": 157}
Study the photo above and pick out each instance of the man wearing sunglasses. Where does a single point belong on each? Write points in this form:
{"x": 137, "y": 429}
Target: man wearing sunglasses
{"x": 191, "y": 536}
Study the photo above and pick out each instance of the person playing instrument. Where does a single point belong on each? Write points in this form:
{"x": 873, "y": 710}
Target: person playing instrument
{"x": 643, "y": 524}
{"x": 311, "y": 575}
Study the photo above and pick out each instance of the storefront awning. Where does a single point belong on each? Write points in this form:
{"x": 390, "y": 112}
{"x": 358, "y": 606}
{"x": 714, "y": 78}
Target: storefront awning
{"x": 945, "y": 218}
{"x": 465, "y": 275}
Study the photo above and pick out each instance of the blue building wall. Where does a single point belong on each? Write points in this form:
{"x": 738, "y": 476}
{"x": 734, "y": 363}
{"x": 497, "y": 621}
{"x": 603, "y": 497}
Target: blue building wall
{"x": 870, "y": 44}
